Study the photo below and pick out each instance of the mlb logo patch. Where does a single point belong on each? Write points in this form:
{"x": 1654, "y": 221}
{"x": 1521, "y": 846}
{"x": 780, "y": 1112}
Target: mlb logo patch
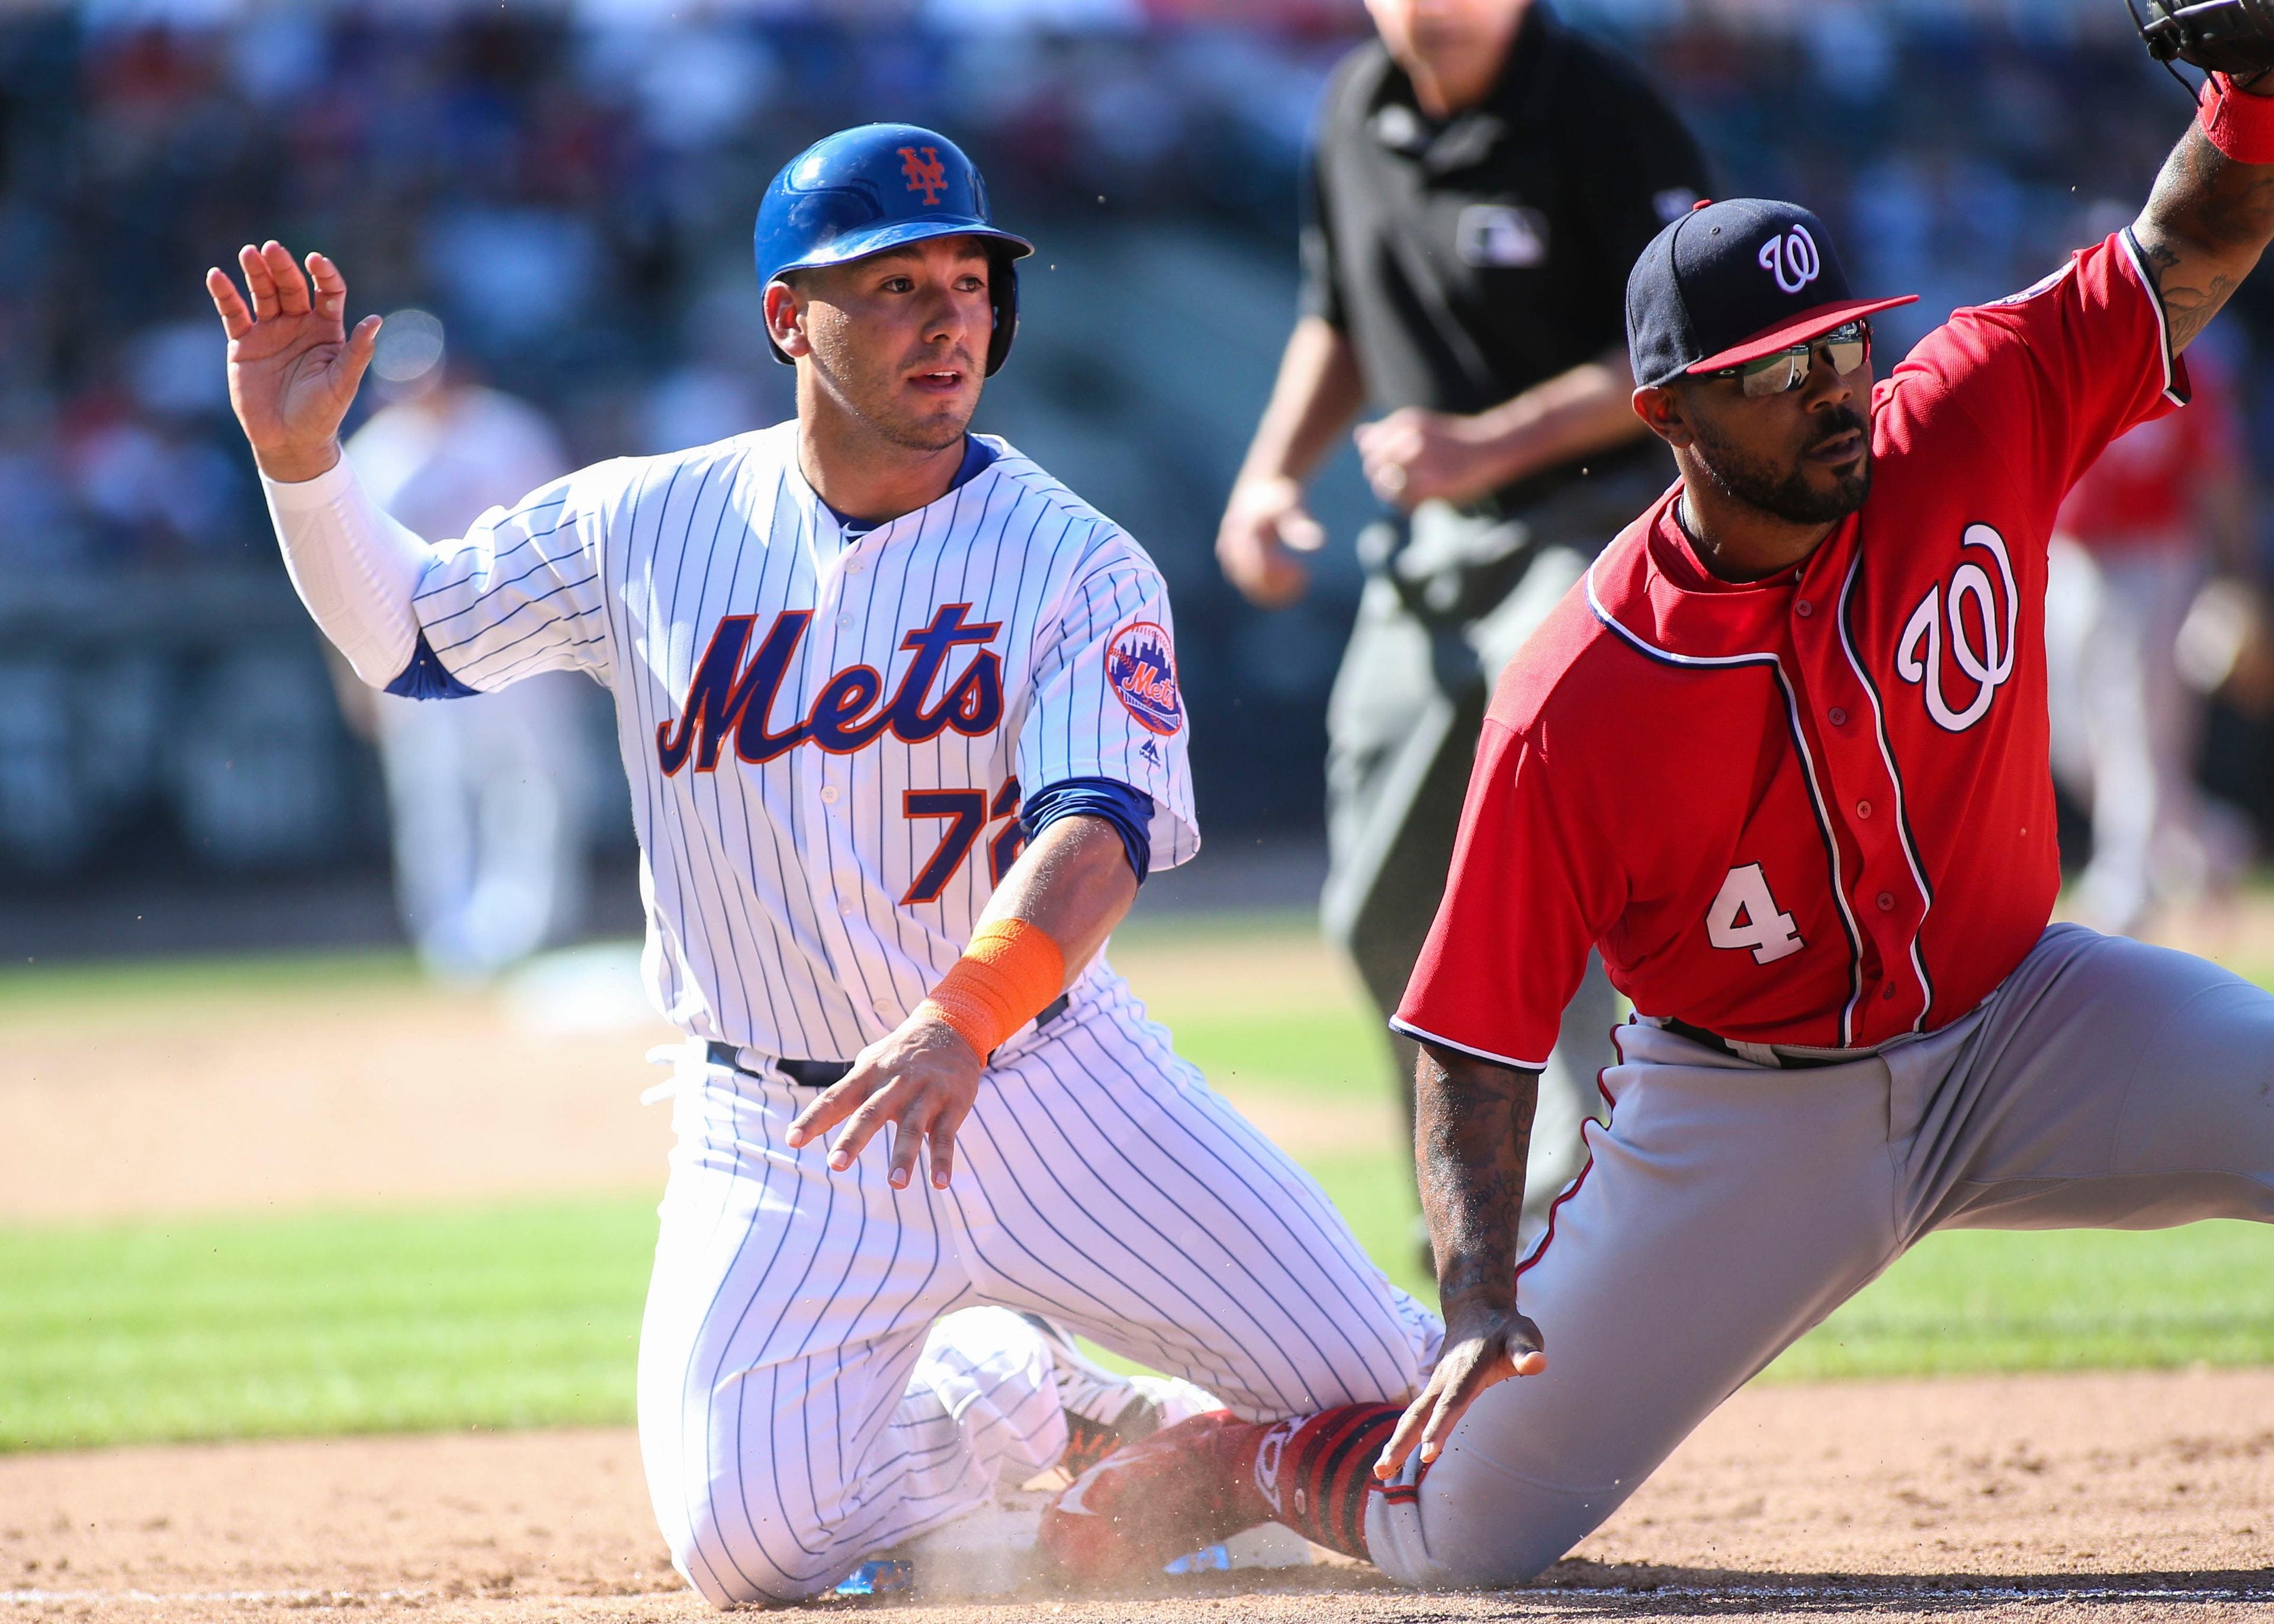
{"x": 1143, "y": 675}
{"x": 1495, "y": 234}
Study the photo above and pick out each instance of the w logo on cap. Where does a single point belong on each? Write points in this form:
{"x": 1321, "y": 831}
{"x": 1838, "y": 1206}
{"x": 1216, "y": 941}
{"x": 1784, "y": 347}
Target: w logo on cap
{"x": 1792, "y": 259}
{"x": 926, "y": 173}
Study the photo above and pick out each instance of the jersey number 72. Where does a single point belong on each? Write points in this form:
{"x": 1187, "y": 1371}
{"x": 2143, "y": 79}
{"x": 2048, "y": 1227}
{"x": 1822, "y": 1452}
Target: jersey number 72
{"x": 967, "y": 812}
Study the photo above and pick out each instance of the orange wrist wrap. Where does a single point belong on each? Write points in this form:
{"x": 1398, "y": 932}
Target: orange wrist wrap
{"x": 1011, "y": 971}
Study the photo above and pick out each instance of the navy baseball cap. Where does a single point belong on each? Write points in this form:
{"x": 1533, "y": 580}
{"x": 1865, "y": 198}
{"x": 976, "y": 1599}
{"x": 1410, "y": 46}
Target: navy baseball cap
{"x": 1731, "y": 281}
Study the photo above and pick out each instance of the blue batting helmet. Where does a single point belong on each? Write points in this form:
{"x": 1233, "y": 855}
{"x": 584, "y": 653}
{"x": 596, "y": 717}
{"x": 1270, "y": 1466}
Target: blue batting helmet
{"x": 864, "y": 189}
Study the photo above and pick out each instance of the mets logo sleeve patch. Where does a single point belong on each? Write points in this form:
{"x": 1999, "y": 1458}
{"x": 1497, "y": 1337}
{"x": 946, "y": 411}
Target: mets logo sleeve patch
{"x": 1105, "y": 702}
{"x": 1143, "y": 670}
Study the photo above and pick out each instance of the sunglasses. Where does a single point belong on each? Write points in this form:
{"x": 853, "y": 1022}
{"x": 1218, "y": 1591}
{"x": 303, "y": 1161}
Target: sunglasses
{"x": 1849, "y": 346}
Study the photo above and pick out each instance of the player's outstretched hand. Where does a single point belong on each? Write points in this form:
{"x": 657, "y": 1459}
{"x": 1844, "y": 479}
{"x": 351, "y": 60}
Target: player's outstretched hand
{"x": 923, "y": 1079}
{"x": 1480, "y": 1351}
{"x": 293, "y": 366}
{"x": 1265, "y": 526}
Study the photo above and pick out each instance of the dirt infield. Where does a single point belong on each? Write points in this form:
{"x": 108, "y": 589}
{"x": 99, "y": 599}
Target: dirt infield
{"x": 398, "y": 1092}
{"x": 2140, "y": 1496}
{"x": 2111, "y": 1497}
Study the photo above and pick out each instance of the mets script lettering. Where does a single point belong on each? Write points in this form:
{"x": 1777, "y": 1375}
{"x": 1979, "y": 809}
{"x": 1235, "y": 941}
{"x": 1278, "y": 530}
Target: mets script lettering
{"x": 1987, "y": 662}
{"x": 728, "y": 697}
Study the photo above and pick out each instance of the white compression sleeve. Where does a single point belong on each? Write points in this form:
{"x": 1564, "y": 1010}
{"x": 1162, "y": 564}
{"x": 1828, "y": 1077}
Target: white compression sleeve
{"x": 354, "y": 567}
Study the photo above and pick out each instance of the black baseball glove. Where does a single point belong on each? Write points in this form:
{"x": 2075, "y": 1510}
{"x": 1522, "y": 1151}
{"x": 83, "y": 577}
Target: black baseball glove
{"x": 2234, "y": 37}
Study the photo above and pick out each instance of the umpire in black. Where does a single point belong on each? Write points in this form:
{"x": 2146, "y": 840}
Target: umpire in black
{"x": 1483, "y": 178}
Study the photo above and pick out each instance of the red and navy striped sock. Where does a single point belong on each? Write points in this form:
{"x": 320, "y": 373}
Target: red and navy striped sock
{"x": 1316, "y": 1471}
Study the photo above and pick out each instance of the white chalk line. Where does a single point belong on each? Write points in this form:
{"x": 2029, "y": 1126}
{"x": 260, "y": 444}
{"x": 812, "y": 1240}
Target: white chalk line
{"x": 1605, "y": 1592}
{"x": 297, "y": 1599}
{"x": 1923, "y": 1591}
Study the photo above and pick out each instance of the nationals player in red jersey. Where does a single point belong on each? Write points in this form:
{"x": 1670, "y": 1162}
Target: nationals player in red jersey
{"x": 1780, "y": 757}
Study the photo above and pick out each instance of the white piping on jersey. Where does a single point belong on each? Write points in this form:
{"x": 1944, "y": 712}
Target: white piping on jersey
{"x": 1420, "y": 1036}
{"x": 1902, "y": 817}
{"x": 1808, "y": 767}
{"x": 2156, "y": 304}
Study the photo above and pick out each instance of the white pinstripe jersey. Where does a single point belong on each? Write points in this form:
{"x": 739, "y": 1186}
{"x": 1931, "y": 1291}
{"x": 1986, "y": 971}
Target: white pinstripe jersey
{"x": 828, "y": 736}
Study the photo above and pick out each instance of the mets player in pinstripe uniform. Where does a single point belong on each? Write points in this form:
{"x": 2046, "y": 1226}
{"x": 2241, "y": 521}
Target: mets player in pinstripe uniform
{"x": 901, "y": 717}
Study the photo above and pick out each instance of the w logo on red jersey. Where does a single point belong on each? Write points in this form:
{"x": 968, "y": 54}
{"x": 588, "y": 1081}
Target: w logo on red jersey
{"x": 1981, "y": 644}
{"x": 926, "y": 173}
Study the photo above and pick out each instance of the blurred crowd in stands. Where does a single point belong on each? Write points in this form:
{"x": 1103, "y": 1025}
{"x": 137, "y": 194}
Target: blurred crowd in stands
{"x": 571, "y": 192}
{"x": 569, "y": 189}
{"x": 572, "y": 197}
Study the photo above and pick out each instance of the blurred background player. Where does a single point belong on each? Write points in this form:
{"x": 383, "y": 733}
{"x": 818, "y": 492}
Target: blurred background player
{"x": 1481, "y": 179}
{"x": 489, "y": 798}
{"x": 2166, "y": 509}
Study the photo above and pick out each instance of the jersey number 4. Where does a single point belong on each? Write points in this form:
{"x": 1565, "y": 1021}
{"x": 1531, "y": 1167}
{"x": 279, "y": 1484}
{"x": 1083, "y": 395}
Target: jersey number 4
{"x": 1744, "y": 915}
{"x": 967, "y": 812}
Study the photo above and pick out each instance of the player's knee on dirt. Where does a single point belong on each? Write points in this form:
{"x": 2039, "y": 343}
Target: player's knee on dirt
{"x": 739, "y": 1557}
{"x": 750, "y": 1526}
{"x": 1454, "y": 1540}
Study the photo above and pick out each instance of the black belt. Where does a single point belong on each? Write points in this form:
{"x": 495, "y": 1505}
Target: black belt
{"x": 823, "y": 1073}
{"x": 1783, "y": 1059}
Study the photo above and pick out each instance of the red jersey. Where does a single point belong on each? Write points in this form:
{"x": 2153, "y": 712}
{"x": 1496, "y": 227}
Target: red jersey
{"x": 1813, "y": 810}
{"x": 2141, "y": 493}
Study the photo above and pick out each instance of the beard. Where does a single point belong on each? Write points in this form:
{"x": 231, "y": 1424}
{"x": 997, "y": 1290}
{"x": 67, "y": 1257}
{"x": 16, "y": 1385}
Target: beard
{"x": 1784, "y": 493}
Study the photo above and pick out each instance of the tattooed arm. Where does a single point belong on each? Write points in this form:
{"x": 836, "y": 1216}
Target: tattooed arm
{"x": 2205, "y": 225}
{"x": 1473, "y": 1131}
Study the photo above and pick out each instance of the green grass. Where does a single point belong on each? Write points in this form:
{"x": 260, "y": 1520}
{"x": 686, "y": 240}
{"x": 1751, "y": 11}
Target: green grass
{"x": 528, "y": 1313}
{"x": 1331, "y": 1055}
{"x": 2070, "y": 1299}
{"x": 99, "y": 986}
{"x": 343, "y": 1322}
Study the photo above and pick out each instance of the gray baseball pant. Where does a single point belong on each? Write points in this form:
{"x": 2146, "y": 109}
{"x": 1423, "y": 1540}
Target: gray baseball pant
{"x": 1728, "y": 1208}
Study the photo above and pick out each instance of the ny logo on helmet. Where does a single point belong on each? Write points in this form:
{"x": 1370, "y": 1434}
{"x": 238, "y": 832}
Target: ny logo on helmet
{"x": 925, "y": 172}
{"x": 1792, "y": 259}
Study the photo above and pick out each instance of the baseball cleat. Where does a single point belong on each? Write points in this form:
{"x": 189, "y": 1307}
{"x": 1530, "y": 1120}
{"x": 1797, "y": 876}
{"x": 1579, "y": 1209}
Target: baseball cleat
{"x": 1104, "y": 1411}
{"x": 1187, "y": 1486}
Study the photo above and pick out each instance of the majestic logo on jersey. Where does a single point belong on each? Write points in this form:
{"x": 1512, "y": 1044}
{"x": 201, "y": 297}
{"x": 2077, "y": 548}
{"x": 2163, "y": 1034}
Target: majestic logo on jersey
{"x": 728, "y": 697}
{"x": 926, "y": 174}
{"x": 1143, "y": 673}
{"x": 1980, "y": 644}
{"x": 1792, "y": 259}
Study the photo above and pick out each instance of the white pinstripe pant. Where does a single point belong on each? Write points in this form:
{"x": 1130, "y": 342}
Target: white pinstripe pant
{"x": 794, "y": 1419}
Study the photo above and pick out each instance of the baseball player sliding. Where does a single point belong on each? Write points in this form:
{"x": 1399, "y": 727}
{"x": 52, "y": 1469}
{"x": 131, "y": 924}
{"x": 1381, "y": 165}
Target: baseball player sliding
{"x": 1780, "y": 755}
{"x": 901, "y": 722}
